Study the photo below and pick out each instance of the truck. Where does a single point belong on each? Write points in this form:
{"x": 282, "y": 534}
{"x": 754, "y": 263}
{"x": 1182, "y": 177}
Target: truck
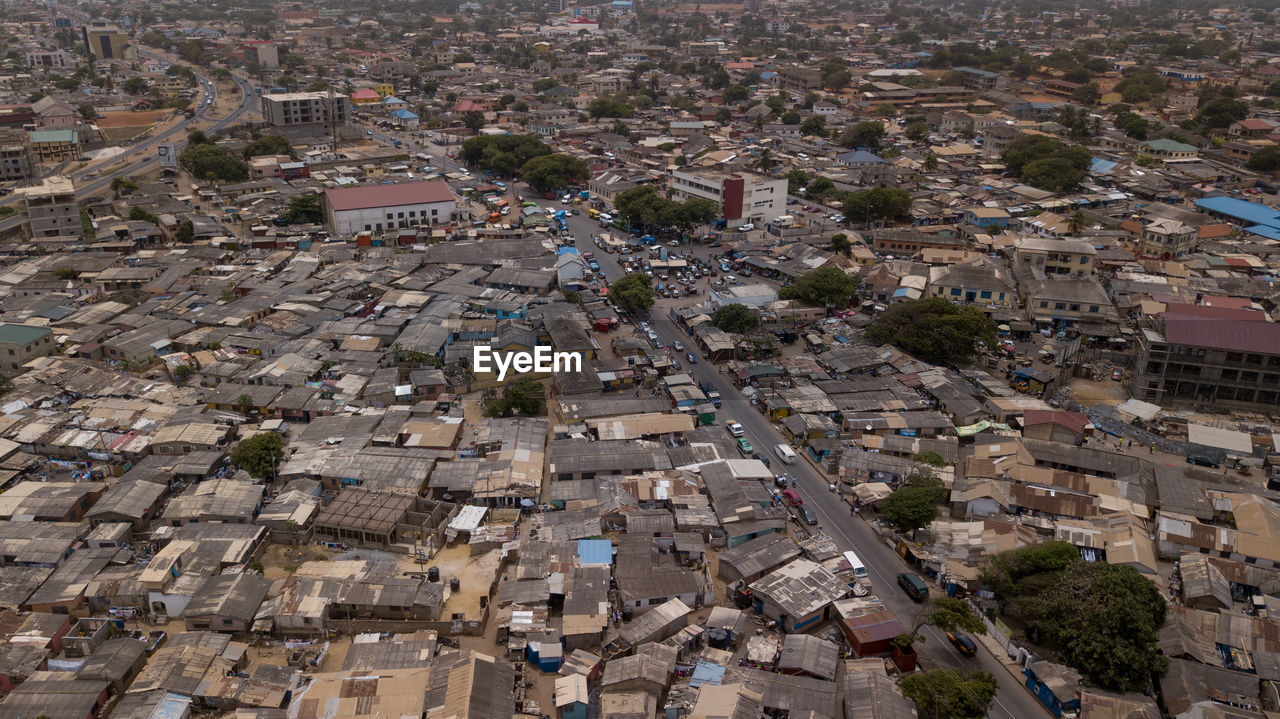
{"x": 710, "y": 391}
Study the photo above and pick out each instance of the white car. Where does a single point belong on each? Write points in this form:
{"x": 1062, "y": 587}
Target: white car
{"x": 735, "y": 429}
{"x": 747, "y": 227}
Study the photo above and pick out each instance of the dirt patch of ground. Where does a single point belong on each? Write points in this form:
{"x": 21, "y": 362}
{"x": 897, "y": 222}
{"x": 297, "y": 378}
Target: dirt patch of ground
{"x": 281, "y": 560}
{"x": 1103, "y": 391}
{"x": 474, "y": 573}
{"x": 128, "y": 118}
{"x": 118, "y": 135}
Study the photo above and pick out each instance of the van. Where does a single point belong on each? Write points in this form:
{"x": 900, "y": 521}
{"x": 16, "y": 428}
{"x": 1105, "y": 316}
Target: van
{"x": 593, "y": 214}
{"x": 859, "y": 569}
{"x": 914, "y": 586}
{"x": 785, "y": 453}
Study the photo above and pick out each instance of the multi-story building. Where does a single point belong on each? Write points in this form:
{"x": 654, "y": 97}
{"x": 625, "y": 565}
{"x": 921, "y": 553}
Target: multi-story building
{"x": 1064, "y": 256}
{"x": 295, "y": 109}
{"x": 741, "y": 196}
{"x": 375, "y": 208}
{"x": 15, "y": 160}
{"x": 106, "y": 42}
{"x": 50, "y": 59}
{"x": 1065, "y": 301}
{"x": 52, "y": 210}
{"x": 20, "y": 344}
{"x": 798, "y": 78}
{"x": 1166, "y": 238}
{"x": 1224, "y": 357}
{"x": 54, "y": 146}
{"x": 979, "y": 80}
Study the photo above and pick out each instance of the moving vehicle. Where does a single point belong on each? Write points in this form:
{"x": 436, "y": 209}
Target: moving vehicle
{"x": 914, "y": 586}
{"x": 692, "y": 358}
{"x": 710, "y": 391}
{"x": 735, "y": 429}
{"x": 762, "y": 457}
{"x": 963, "y": 644}
{"x": 793, "y": 498}
{"x": 785, "y": 453}
{"x": 1117, "y": 374}
{"x": 678, "y": 346}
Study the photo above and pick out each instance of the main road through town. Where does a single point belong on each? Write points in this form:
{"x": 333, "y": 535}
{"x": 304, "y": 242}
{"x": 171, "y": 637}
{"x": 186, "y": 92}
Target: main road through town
{"x": 1013, "y": 701}
{"x": 144, "y": 150}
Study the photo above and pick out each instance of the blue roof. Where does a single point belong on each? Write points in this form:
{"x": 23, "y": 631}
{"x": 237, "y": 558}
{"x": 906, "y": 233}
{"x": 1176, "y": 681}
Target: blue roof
{"x": 595, "y": 551}
{"x": 1252, "y": 212}
{"x": 1100, "y": 166}
{"x": 707, "y": 673}
{"x": 404, "y": 115}
{"x": 393, "y": 100}
{"x": 1271, "y": 233}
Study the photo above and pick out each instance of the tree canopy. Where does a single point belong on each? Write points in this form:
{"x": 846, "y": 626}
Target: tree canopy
{"x": 210, "y": 162}
{"x": 304, "y": 209}
{"x": 504, "y": 154}
{"x": 1101, "y": 618}
{"x": 609, "y": 107}
{"x": 869, "y": 135}
{"x": 633, "y": 292}
{"x": 644, "y": 207}
{"x": 1265, "y": 160}
{"x": 735, "y": 318}
{"x": 553, "y": 172}
{"x": 268, "y": 145}
{"x": 933, "y": 329}
{"x": 828, "y": 286}
{"x": 522, "y": 397}
{"x": 259, "y": 454}
{"x": 914, "y": 505}
{"x": 877, "y": 203}
{"x": 1047, "y": 162}
{"x": 947, "y": 694}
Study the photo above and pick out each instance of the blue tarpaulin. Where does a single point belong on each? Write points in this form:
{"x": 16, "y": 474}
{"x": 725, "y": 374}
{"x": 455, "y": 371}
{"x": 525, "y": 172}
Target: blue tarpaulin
{"x": 595, "y": 551}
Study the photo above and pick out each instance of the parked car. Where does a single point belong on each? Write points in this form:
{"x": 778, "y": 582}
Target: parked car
{"x": 761, "y": 457}
{"x": 734, "y": 428}
{"x": 809, "y": 517}
{"x": 1201, "y": 460}
{"x": 744, "y": 445}
{"x": 963, "y": 644}
{"x": 1117, "y": 374}
{"x": 792, "y": 497}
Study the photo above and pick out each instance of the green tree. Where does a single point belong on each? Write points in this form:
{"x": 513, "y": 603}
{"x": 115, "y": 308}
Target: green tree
{"x": 1055, "y": 174}
{"x": 735, "y": 318}
{"x": 947, "y": 694}
{"x": 841, "y": 245}
{"x": 473, "y": 120}
{"x": 552, "y": 172}
{"x": 66, "y": 273}
{"x": 955, "y": 615}
{"x": 1076, "y": 223}
{"x": 304, "y": 209}
{"x": 868, "y": 135}
{"x": 828, "y": 286}
{"x": 1220, "y": 112}
{"x": 820, "y": 188}
{"x": 735, "y": 94}
{"x": 1265, "y": 160}
{"x": 1047, "y": 162}
{"x": 933, "y": 330}
{"x": 814, "y": 125}
{"x": 267, "y": 145}
{"x": 244, "y": 403}
{"x": 87, "y": 230}
{"x": 877, "y": 203}
{"x": 6, "y": 385}
{"x": 504, "y": 154}
{"x": 917, "y": 131}
{"x": 914, "y": 505}
{"x": 259, "y": 454}
{"x": 571, "y": 297}
{"x": 123, "y": 186}
{"x": 183, "y": 372}
{"x": 522, "y": 397}
{"x": 185, "y": 232}
{"x": 134, "y": 86}
{"x": 1102, "y": 619}
{"x": 790, "y": 117}
{"x": 609, "y": 107}
{"x": 209, "y": 162}
{"x": 930, "y": 162}
{"x": 633, "y": 292}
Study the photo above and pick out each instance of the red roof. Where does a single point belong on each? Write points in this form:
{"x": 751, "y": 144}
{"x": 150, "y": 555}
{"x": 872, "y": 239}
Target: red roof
{"x": 370, "y": 196}
{"x": 1214, "y": 310}
{"x": 1233, "y": 335}
{"x": 467, "y": 106}
{"x": 1074, "y": 421}
{"x": 365, "y": 93}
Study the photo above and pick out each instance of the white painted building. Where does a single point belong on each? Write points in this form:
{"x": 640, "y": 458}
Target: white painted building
{"x": 377, "y": 208}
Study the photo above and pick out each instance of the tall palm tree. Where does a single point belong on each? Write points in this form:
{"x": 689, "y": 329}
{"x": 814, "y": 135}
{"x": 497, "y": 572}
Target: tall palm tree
{"x": 930, "y": 163}
{"x": 1076, "y": 222}
{"x": 765, "y": 161}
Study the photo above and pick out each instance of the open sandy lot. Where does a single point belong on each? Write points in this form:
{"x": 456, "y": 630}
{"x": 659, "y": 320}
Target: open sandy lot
{"x": 127, "y": 118}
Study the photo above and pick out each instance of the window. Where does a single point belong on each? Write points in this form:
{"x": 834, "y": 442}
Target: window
{"x": 401, "y": 216}
{"x": 1075, "y": 308}
{"x": 1044, "y": 304}
{"x": 1084, "y": 260}
{"x": 955, "y": 291}
{"x": 1060, "y": 305}
{"x": 390, "y": 216}
{"x": 985, "y": 294}
{"x": 1093, "y": 308}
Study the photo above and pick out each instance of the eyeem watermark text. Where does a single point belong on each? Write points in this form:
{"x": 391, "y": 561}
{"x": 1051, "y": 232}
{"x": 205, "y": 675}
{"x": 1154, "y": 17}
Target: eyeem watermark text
{"x": 541, "y": 359}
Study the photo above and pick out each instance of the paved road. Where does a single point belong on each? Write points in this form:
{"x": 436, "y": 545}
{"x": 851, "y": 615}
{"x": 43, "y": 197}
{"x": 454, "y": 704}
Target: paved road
{"x": 144, "y": 150}
{"x": 1013, "y": 701}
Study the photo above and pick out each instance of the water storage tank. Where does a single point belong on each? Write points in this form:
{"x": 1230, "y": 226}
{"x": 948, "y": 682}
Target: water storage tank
{"x": 454, "y": 584}
{"x": 433, "y": 574}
